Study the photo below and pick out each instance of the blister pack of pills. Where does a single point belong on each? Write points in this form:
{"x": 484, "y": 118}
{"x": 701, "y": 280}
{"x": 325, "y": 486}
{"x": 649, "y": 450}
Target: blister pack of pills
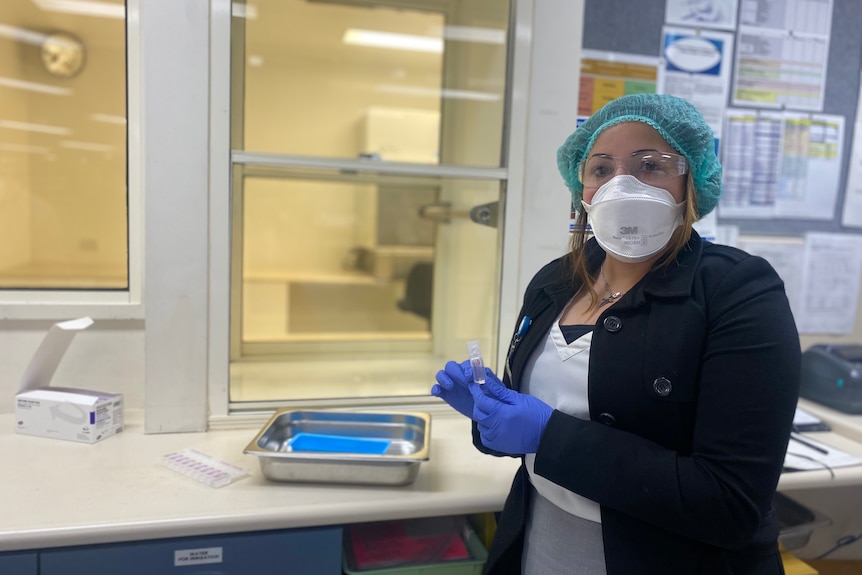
{"x": 203, "y": 468}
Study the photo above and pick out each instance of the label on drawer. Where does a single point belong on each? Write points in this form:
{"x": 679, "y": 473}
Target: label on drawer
{"x": 202, "y": 556}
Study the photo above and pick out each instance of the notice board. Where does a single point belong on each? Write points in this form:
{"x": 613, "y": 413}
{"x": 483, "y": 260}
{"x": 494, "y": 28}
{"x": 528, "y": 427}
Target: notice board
{"x": 636, "y": 28}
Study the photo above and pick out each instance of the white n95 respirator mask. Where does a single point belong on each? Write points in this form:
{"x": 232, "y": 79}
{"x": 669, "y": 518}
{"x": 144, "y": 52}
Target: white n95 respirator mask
{"x": 633, "y": 221}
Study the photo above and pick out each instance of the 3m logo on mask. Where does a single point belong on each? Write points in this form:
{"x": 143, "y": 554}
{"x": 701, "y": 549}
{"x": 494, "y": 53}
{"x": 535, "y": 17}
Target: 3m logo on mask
{"x": 633, "y": 221}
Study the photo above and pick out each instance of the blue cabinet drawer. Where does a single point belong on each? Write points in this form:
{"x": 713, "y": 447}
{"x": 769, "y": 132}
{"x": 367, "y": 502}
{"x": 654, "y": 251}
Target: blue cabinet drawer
{"x": 306, "y": 551}
{"x": 19, "y": 564}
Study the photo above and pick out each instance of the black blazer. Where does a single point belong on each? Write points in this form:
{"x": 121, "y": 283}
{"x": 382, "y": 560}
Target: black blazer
{"x": 693, "y": 382}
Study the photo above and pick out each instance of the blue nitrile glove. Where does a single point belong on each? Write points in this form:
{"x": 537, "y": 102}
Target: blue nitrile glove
{"x": 508, "y": 421}
{"x": 453, "y": 383}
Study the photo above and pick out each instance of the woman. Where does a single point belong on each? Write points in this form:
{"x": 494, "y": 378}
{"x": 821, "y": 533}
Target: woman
{"x": 651, "y": 385}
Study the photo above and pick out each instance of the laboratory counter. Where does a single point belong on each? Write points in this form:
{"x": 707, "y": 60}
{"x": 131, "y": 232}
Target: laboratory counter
{"x": 59, "y": 493}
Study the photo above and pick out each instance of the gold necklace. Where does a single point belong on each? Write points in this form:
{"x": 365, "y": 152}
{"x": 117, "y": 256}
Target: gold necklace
{"x": 612, "y": 295}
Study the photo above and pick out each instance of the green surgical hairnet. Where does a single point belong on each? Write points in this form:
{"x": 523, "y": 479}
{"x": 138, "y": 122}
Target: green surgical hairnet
{"x": 678, "y": 122}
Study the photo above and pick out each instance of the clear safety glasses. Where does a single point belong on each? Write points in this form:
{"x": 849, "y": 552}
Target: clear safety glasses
{"x": 653, "y": 168}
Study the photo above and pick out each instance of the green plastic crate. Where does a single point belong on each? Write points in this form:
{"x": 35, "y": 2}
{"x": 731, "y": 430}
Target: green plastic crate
{"x": 461, "y": 567}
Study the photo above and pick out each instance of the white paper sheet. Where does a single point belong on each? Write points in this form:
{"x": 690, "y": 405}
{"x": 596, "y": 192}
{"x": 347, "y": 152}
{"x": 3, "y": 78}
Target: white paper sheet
{"x": 727, "y": 235}
{"x": 804, "y": 453}
{"x": 696, "y": 66}
{"x": 781, "y": 164}
{"x": 781, "y": 55}
{"x": 784, "y": 256}
{"x": 831, "y": 267}
{"x": 719, "y": 14}
{"x": 750, "y": 154}
{"x": 852, "y": 213}
{"x": 707, "y": 227}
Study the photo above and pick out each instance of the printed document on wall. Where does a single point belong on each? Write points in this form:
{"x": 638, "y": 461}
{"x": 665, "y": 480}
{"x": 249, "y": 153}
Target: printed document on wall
{"x": 727, "y": 235}
{"x": 780, "y": 164}
{"x": 852, "y": 215}
{"x": 719, "y": 14}
{"x": 810, "y": 166}
{"x": 695, "y": 65}
{"x": 707, "y": 227}
{"x": 831, "y": 267}
{"x": 781, "y": 55}
{"x": 606, "y": 76}
{"x": 784, "y": 255}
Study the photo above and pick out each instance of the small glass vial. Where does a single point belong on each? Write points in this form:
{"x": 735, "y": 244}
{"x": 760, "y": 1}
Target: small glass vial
{"x": 476, "y": 363}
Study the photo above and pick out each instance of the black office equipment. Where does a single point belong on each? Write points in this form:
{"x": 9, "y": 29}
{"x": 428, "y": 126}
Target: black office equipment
{"x": 832, "y": 376}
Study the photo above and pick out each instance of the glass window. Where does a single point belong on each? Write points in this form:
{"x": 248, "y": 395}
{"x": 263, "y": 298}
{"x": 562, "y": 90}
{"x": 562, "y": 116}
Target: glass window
{"x": 356, "y": 288}
{"x": 63, "y": 200}
{"x": 349, "y": 79}
{"x": 367, "y": 195}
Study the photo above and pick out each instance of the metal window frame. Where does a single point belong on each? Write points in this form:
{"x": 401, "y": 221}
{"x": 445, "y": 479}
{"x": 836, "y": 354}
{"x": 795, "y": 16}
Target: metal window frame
{"x": 223, "y": 158}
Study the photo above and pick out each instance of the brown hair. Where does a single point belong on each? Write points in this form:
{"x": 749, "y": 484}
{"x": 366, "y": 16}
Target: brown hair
{"x": 578, "y": 256}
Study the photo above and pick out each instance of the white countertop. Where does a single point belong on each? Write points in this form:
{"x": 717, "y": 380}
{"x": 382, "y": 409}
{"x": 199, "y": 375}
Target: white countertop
{"x": 59, "y": 493}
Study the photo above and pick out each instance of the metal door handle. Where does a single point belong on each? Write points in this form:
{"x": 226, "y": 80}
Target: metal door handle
{"x": 483, "y": 214}
{"x": 441, "y": 212}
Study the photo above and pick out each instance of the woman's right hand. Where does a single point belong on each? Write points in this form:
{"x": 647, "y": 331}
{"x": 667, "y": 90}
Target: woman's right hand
{"x": 453, "y": 386}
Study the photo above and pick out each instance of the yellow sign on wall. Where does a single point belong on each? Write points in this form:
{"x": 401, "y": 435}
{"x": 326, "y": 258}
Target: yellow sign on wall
{"x": 606, "y": 76}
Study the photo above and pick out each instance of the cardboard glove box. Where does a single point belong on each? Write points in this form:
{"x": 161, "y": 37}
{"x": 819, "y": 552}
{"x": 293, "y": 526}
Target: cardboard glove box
{"x": 63, "y": 412}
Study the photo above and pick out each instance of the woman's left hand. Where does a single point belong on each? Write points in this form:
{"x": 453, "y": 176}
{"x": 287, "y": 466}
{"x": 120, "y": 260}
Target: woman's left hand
{"x": 453, "y": 386}
{"x": 508, "y": 421}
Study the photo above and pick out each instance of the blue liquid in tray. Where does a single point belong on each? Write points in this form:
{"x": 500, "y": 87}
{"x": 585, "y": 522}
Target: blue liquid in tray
{"x": 317, "y": 442}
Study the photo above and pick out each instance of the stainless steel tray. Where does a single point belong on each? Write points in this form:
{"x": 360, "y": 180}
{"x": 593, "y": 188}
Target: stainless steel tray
{"x": 407, "y": 434}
